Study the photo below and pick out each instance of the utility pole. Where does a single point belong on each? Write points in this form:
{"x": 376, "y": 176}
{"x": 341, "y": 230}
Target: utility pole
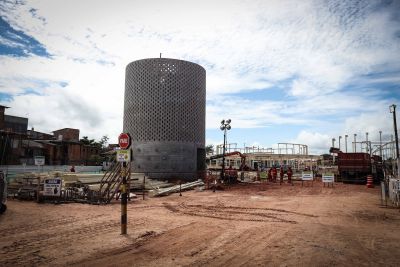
{"x": 392, "y": 146}
{"x": 380, "y": 144}
{"x": 355, "y": 143}
{"x": 396, "y": 137}
{"x": 225, "y": 125}
{"x": 124, "y": 141}
{"x": 366, "y": 139}
{"x": 124, "y": 200}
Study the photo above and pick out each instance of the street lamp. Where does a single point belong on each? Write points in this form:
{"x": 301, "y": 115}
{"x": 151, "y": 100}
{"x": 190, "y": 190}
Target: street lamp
{"x": 355, "y": 143}
{"x": 366, "y": 139}
{"x": 345, "y": 141}
{"x": 225, "y": 125}
{"x": 333, "y": 146}
{"x": 392, "y": 147}
{"x": 380, "y": 144}
{"x": 393, "y": 110}
{"x": 340, "y": 137}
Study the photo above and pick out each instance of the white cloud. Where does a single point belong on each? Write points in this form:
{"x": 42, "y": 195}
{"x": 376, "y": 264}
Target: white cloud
{"x": 371, "y": 123}
{"x": 315, "y": 47}
{"x": 317, "y": 143}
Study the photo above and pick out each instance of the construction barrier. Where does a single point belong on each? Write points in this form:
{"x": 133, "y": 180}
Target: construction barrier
{"x": 370, "y": 181}
{"x": 394, "y": 192}
{"x": 263, "y": 176}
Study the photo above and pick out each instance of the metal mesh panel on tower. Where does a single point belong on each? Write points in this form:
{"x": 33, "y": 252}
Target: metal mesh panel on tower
{"x": 165, "y": 114}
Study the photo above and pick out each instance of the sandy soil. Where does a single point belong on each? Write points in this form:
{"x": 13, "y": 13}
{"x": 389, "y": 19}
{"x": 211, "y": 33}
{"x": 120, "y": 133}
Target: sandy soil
{"x": 244, "y": 225}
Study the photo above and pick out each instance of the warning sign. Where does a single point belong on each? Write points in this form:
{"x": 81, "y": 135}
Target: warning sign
{"x": 123, "y": 155}
{"x": 307, "y": 176}
{"x": 39, "y": 160}
{"x": 52, "y": 187}
{"x": 328, "y": 178}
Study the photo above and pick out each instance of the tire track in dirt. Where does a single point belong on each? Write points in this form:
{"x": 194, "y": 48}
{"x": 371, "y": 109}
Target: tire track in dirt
{"x": 266, "y": 245}
{"x": 161, "y": 244}
{"x": 28, "y": 227}
{"x": 27, "y": 251}
{"x": 237, "y": 213}
{"x": 250, "y": 208}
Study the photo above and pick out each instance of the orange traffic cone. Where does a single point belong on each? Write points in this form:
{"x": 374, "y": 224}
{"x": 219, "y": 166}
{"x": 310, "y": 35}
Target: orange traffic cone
{"x": 370, "y": 180}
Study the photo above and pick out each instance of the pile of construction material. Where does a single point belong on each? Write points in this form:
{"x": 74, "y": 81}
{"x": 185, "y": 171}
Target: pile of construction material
{"x": 176, "y": 188}
{"x": 80, "y": 185}
{"x": 31, "y": 179}
{"x": 143, "y": 182}
{"x": 25, "y": 185}
{"x": 84, "y": 186}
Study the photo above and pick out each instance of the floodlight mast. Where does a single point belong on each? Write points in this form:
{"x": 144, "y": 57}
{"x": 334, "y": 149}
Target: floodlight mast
{"x": 225, "y": 125}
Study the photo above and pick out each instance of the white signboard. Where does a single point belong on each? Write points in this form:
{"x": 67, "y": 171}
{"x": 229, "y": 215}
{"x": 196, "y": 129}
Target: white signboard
{"x": 39, "y": 160}
{"x": 307, "y": 176}
{"x": 123, "y": 155}
{"x": 328, "y": 178}
{"x": 52, "y": 187}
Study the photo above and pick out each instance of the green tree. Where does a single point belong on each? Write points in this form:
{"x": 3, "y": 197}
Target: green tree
{"x": 104, "y": 141}
{"x": 86, "y": 141}
{"x": 95, "y": 159}
{"x": 209, "y": 149}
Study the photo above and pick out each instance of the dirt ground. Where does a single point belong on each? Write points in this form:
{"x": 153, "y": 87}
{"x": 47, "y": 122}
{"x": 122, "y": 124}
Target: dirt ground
{"x": 244, "y": 225}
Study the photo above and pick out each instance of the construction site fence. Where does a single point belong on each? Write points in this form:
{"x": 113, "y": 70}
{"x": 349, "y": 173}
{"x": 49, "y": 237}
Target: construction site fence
{"x": 393, "y": 192}
{"x": 10, "y": 170}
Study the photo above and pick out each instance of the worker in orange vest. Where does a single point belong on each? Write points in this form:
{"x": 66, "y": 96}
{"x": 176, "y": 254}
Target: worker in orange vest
{"x": 281, "y": 173}
{"x": 274, "y": 174}
{"x": 289, "y": 175}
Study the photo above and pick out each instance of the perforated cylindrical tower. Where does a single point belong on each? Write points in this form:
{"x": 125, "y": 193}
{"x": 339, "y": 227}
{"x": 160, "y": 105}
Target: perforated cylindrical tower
{"x": 164, "y": 113}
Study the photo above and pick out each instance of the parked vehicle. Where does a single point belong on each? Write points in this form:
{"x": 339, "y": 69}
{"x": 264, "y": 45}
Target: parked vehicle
{"x": 355, "y": 167}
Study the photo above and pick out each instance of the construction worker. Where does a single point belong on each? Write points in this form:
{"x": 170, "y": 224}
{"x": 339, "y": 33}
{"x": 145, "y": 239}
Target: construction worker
{"x": 281, "y": 173}
{"x": 270, "y": 175}
{"x": 274, "y": 174}
{"x": 289, "y": 175}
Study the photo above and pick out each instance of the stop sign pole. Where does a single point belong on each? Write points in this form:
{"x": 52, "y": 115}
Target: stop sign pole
{"x": 124, "y": 141}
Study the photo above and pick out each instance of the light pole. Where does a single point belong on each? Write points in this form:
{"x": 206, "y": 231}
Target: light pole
{"x": 355, "y": 143}
{"x": 345, "y": 141}
{"x": 366, "y": 139}
{"x": 225, "y": 125}
{"x": 333, "y": 146}
{"x": 391, "y": 146}
{"x": 340, "y": 137}
{"x": 396, "y": 138}
{"x": 380, "y": 144}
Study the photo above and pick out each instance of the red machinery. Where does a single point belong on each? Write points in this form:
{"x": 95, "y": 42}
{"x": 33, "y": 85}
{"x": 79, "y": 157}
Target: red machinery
{"x": 242, "y": 160}
{"x": 355, "y": 167}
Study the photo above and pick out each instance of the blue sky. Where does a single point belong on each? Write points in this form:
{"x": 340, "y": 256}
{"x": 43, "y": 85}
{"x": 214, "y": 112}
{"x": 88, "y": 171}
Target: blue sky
{"x": 283, "y": 71}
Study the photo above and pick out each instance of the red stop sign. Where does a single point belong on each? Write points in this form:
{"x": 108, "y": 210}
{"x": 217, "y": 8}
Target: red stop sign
{"x": 124, "y": 141}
